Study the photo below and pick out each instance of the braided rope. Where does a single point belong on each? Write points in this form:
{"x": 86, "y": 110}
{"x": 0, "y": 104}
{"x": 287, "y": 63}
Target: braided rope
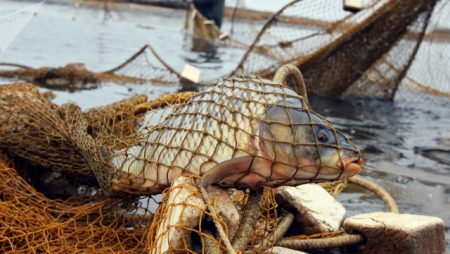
{"x": 379, "y": 191}
{"x": 311, "y": 244}
{"x": 290, "y": 74}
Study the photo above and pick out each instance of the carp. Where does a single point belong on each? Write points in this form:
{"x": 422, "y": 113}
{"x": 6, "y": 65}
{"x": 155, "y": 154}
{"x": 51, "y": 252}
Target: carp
{"x": 239, "y": 132}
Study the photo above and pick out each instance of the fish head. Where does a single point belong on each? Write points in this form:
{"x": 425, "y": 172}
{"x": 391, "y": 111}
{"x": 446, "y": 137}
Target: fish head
{"x": 305, "y": 147}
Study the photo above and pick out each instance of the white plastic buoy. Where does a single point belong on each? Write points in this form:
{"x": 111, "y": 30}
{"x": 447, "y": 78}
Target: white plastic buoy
{"x": 353, "y": 5}
{"x": 191, "y": 73}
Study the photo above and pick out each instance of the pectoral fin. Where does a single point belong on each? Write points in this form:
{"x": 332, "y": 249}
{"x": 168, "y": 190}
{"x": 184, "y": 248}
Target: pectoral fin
{"x": 227, "y": 168}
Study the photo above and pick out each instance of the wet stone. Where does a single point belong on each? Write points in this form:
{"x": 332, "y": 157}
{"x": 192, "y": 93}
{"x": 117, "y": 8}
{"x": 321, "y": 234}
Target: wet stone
{"x": 316, "y": 211}
{"x": 398, "y": 233}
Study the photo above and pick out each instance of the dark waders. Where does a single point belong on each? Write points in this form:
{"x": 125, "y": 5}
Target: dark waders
{"x": 211, "y": 9}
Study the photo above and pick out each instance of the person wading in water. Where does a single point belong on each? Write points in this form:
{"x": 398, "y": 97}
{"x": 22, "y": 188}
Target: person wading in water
{"x": 211, "y": 9}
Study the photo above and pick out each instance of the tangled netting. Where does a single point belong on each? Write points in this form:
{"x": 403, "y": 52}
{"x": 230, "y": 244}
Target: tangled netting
{"x": 93, "y": 169}
{"x": 365, "y": 53}
{"x": 369, "y": 53}
{"x": 389, "y": 47}
{"x": 74, "y": 76}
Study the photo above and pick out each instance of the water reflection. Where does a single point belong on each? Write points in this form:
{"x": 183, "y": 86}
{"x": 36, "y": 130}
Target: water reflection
{"x": 201, "y": 51}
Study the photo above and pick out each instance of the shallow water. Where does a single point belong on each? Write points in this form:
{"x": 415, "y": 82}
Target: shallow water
{"x": 405, "y": 146}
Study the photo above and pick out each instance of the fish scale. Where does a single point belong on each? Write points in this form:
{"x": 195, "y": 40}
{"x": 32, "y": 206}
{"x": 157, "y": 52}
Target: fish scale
{"x": 226, "y": 127}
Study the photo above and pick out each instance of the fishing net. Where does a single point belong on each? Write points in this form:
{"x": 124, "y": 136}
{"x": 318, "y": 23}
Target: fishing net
{"x": 365, "y": 54}
{"x": 387, "y": 47}
{"x": 72, "y": 77}
{"x": 65, "y": 139}
{"x": 144, "y": 66}
{"x": 97, "y": 178}
{"x": 30, "y": 222}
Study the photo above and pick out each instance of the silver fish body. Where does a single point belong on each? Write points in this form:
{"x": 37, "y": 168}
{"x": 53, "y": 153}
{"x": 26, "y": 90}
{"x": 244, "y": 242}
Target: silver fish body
{"x": 239, "y": 132}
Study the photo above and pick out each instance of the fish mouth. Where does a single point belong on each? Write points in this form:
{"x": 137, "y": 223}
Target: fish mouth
{"x": 336, "y": 167}
{"x": 350, "y": 165}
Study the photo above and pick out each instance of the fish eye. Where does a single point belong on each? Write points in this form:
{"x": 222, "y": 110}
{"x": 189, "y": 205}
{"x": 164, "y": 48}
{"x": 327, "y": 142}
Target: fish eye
{"x": 323, "y": 135}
